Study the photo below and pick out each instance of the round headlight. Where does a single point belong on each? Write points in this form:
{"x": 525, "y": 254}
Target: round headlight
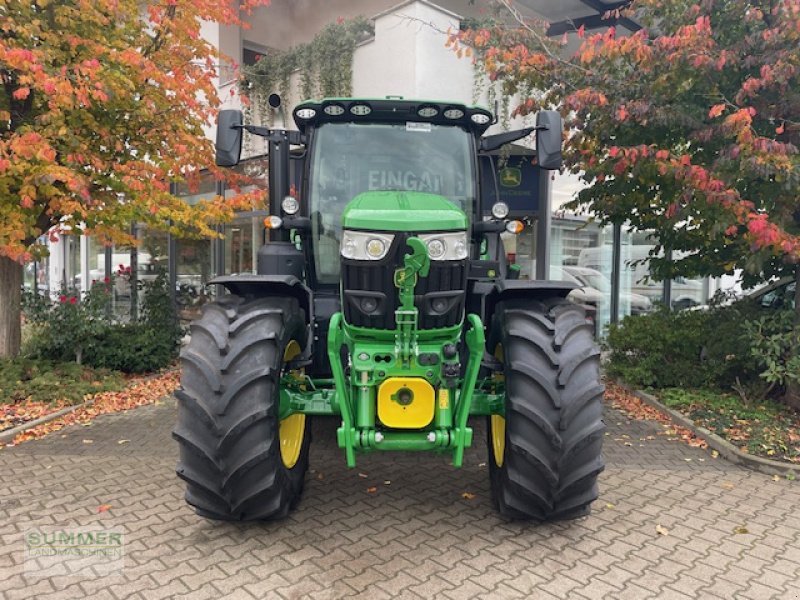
{"x": 290, "y": 205}
{"x": 376, "y": 248}
{"x": 360, "y": 110}
{"x": 453, "y": 113}
{"x": 428, "y": 111}
{"x": 334, "y": 110}
{"x": 480, "y": 118}
{"x": 306, "y": 113}
{"x": 500, "y": 210}
{"x": 436, "y": 248}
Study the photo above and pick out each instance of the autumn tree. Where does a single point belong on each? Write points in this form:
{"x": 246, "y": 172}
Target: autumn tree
{"x": 103, "y": 105}
{"x": 688, "y": 127}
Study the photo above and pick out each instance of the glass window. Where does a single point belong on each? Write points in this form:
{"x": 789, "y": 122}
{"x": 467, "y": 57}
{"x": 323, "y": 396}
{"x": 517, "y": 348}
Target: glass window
{"x": 194, "y": 268}
{"x": 351, "y": 158}
{"x": 243, "y": 237}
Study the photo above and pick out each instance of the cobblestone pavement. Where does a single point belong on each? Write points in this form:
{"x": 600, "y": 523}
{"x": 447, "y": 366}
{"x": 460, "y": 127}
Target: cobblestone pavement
{"x": 731, "y": 533}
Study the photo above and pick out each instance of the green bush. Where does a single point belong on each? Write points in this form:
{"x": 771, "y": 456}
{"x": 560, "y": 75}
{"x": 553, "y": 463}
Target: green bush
{"x": 690, "y": 348}
{"x": 662, "y": 349}
{"x": 78, "y": 330}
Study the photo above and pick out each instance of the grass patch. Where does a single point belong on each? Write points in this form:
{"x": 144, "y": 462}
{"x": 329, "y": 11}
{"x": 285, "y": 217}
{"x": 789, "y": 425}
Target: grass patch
{"x": 765, "y": 429}
{"x": 38, "y": 380}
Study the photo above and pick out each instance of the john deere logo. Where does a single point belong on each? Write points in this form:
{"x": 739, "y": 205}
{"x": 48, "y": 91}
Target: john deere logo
{"x": 400, "y": 278}
{"x": 511, "y": 177}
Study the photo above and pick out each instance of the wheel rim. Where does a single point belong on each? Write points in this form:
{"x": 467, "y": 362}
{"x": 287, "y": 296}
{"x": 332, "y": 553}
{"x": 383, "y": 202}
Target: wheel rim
{"x": 498, "y": 424}
{"x": 291, "y": 430}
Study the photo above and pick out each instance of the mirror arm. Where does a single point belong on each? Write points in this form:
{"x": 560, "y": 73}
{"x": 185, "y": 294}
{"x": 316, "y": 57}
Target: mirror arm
{"x": 274, "y": 135}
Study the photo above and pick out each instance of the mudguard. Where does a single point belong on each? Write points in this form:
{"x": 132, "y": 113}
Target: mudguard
{"x": 485, "y": 295}
{"x": 269, "y": 285}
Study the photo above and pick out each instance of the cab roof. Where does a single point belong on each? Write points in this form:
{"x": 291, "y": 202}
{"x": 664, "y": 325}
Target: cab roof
{"x": 391, "y": 110}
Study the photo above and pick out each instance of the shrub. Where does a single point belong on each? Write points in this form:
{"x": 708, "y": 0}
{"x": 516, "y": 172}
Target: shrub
{"x": 694, "y": 348}
{"x": 82, "y": 330}
{"x": 662, "y": 349}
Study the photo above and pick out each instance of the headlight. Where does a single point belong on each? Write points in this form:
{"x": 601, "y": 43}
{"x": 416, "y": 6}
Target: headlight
{"x": 500, "y": 210}
{"x": 446, "y": 246}
{"x": 290, "y": 205}
{"x": 365, "y": 245}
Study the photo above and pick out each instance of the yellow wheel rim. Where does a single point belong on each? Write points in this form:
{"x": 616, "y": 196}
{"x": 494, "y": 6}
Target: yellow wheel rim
{"x": 291, "y": 430}
{"x": 498, "y": 424}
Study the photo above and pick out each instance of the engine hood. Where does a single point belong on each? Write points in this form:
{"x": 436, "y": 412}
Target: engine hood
{"x": 403, "y": 211}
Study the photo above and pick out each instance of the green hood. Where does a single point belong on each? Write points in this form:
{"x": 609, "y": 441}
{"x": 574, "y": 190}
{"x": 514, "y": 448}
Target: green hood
{"x": 403, "y": 211}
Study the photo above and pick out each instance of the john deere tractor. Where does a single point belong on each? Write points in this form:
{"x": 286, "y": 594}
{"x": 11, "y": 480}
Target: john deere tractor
{"x": 383, "y": 297}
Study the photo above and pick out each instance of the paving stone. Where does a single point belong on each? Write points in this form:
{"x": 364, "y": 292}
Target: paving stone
{"x": 417, "y": 538}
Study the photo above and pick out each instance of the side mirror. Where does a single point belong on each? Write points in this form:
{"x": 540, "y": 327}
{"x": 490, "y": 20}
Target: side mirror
{"x": 229, "y": 138}
{"x": 548, "y": 139}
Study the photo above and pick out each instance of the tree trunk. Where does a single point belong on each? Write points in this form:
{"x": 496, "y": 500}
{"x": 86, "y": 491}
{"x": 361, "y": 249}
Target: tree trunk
{"x": 10, "y": 325}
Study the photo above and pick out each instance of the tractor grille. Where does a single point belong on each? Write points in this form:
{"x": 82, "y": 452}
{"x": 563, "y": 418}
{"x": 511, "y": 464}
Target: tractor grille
{"x": 370, "y": 297}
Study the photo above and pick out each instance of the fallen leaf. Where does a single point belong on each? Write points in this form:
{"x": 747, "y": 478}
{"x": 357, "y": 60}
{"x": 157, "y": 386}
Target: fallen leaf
{"x": 714, "y": 454}
{"x": 467, "y": 495}
{"x": 123, "y": 441}
{"x": 740, "y": 529}
{"x": 776, "y": 478}
{"x": 661, "y": 530}
{"x": 727, "y": 485}
{"x": 610, "y": 506}
{"x": 103, "y": 508}
{"x": 372, "y": 490}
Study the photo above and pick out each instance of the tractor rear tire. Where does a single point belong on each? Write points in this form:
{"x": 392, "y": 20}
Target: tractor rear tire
{"x": 546, "y": 453}
{"x": 228, "y": 428}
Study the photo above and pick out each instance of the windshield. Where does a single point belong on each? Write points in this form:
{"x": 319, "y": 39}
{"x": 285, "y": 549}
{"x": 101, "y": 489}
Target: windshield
{"x": 351, "y": 158}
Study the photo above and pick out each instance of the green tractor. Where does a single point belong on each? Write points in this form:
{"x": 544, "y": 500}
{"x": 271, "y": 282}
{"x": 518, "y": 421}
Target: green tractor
{"x": 383, "y": 297}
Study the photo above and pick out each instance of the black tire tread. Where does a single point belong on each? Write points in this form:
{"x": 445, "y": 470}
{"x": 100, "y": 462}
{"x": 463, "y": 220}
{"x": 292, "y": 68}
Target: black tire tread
{"x": 227, "y": 429}
{"x": 554, "y": 427}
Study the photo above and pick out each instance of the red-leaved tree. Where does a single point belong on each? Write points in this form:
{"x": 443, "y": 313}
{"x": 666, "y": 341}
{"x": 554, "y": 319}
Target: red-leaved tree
{"x": 102, "y": 106}
{"x": 689, "y": 127}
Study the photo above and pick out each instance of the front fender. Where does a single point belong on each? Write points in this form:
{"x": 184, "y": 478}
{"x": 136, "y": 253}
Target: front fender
{"x": 258, "y": 286}
{"x": 491, "y": 293}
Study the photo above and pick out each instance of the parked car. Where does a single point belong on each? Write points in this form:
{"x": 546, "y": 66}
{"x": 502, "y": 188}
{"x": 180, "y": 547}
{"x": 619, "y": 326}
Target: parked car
{"x": 778, "y": 294}
{"x": 596, "y": 289}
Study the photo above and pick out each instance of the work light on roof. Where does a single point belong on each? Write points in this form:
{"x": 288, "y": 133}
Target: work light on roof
{"x": 360, "y": 110}
{"x": 306, "y": 113}
{"x": 453, "y": 113}
{"x": 428, "y": 112}
{"x": 334, "y": 110}
{"x": 480, "y": 119}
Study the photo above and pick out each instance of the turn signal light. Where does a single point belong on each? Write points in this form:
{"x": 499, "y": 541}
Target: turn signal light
{"x": 515, "y": 227}
{"x": 273, "y": 222}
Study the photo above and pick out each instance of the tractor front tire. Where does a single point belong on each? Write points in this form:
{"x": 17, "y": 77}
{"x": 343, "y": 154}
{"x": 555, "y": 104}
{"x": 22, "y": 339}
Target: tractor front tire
{"x": 239, "y": 461}
{"x": 545, "y": 452}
